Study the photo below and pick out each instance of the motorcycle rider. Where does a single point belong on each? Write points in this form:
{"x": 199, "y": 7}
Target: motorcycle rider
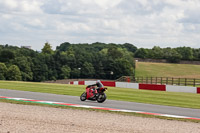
{"x": 98, "y": 85}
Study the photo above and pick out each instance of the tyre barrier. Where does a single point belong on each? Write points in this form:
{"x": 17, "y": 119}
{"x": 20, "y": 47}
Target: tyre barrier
{"x": 155, "y": 87}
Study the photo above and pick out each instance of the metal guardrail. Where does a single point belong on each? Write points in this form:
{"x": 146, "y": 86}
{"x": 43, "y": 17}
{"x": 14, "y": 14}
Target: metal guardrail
{"x": 162, "y": 80}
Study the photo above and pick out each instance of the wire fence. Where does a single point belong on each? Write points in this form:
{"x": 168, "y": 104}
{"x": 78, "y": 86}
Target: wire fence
{"x": 162, "y": 80}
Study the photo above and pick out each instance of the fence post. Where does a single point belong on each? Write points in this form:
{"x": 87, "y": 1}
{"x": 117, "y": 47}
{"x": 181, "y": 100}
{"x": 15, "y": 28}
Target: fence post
{"x": 161, "y": 80}
{"x": 194, "y": 84}
{"x": 185, "y": 82}
{"x": 156, "y": 80}
{"x": 134, "y": 80}
{"x": 167, "y": 80}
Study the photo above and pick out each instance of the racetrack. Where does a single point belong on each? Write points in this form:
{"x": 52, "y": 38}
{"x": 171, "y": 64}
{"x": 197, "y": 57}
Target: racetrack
{"x": 108, "y": 103}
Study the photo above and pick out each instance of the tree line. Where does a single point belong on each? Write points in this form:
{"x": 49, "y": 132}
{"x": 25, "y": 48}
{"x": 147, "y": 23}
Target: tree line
{"x": 96, "y": 60}
{"x": 172, "y": 55}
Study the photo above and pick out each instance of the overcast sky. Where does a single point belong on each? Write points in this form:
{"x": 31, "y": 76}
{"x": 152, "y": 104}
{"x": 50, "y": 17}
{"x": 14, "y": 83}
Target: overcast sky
{"x": 144, "y": 23}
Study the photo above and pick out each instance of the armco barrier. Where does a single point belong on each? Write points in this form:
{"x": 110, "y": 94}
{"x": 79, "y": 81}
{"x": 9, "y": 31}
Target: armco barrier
{"x": 198, "y": 90}
{"x": 152, "y": 87}
{"x": 127, "y": 85}
{"x": 108, "y": 83}
{"x": 90, "y": 82}
{"x": 187, "y": 89}
{"x": 81, "y": 82}
{"x": 133, "y": 85}
{"x": 75, "y": 82}
{"x": 169, "y": 88}
{"x": 121, "y": 84}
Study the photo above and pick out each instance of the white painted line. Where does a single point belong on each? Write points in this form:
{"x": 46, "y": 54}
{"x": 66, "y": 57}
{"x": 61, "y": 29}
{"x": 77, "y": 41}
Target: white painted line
{"x": 174, "y": 116}
{"x": 51, "y": 102}
{"x": 129, "y": 111}
{"x": 84, "y": 106}
{"x": 16, "y": 98}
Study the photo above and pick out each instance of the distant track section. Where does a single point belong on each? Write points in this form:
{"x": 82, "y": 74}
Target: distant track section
{"x": 155, "y": 87}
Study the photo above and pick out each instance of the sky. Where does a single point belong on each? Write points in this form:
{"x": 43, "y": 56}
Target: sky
{"x": 143, "y": 23}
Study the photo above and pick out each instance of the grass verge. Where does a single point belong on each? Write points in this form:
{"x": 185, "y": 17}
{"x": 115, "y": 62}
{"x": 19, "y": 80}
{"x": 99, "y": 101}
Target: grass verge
{"x": 147, "y": 69}
{"x": 120, "y": 113}
{"x": 187, "y": 100}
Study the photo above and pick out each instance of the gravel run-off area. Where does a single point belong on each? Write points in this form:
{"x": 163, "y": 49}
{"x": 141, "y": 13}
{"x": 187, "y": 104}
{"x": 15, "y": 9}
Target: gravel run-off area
{"x": 15, "y": 118}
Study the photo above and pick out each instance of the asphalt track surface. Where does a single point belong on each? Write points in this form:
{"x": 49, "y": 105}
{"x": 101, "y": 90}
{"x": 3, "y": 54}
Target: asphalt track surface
{"x": 108, "y": 103}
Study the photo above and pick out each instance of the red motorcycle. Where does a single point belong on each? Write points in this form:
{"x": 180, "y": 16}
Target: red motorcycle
{"x": 94, "y": 94}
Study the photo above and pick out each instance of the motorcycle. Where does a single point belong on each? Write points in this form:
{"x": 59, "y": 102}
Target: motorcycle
{"x": 94, "y": 94}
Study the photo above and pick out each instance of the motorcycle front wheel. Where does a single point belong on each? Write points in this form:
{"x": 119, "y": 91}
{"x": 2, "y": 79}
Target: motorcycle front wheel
{"x": 83, "y": 96}
{"x": 101, "y": 98}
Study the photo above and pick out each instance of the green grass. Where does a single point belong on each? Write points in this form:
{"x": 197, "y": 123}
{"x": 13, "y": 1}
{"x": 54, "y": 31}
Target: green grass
{"x": 147, "y": 69}
{"x": 187, "y": 100}
{"x": 63, "y": 89}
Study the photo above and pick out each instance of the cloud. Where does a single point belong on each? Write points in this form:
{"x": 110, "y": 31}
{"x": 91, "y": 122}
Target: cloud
{"x": 191, "y": 16}
{"x": 25, "y": 6}
{"x": 60, "y": 7}
{"x": 144, "y": 23}
{"x": 143, "y": 7}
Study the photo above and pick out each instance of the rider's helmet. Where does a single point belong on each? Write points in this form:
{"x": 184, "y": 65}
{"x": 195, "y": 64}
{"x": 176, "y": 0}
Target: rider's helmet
{"x": 98, "y": 81}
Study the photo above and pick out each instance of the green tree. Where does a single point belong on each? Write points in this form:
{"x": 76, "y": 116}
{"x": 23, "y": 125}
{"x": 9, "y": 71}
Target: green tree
{"x": 47, "y": 49}
{"x": 68, "y": 57}
{"x": 63, "y": 46}
{"x": 65, "y": 72}
{"x": 196, "y": 54}
{"x": 87, "y": 71}
{"x": 114, "y": 52}
{"x": 6, "y": 55}
{"x": 122, "y": 67}
{"x": 24, "y": 64}
{"x": 141, "y": 53}
{"x": 130, "y": 47}
{"x": 173, "y": 56}
{"x": 99, "y": 70}
{"x": 185, "y": 52}
{"x": 40, "y": 68}
{"x": 98, "y": 46}
{"x": 14, "y": 73}
{"x": 157, "y": 52}
{"x": 3, "y": 71}
{"x": 75, "y": 73}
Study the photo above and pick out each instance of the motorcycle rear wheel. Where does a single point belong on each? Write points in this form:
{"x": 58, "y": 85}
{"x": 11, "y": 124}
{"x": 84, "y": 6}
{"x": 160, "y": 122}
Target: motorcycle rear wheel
{"x": 83, "y": 96}
{"x": 101, "y": 98}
